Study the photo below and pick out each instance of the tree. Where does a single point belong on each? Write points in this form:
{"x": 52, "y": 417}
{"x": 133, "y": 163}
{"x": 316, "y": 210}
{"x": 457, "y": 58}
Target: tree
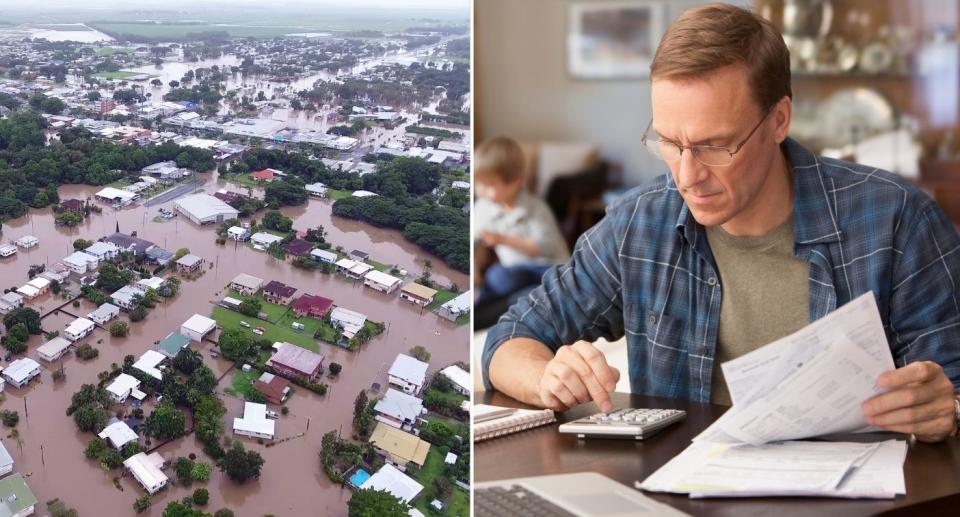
{"x": 201, "y": 471}
{"x": 19, "y": 331}
{"x": 362, "y": 416}
{"x": 142, "y": 504}
{"x": 187, "y": 360}
{"x": 201, "y": 496}
{"x": 93, "y": 96}
{"x": 335, "y": 368}
{"x": 90, "y": 418}
{"x": 25, "y": 315}
{"x": 274, "y": 220}
{"x": 14, "y": 345}
{"x": 111, "y": 278}
{"x": 58, "y": 508}
{"x": 420, "y": 353}
{"x": 183, "y": 467}
{"x": 235, "y": 344}
{"x": 166, "y": 422}
{"x": 224, "y": 512}
{"x": 9, "y": 418}
{"x": 241, "y": 465}
{"x": 138, "y": 313}
{"x": 96, "y": 447}
{"x": 174, "y": 84}
{"x": 286, "y": 192}
{"x": 250, "y": 307}
{"x": 119, "y": 329}
{"x": 180, "y": 253}
{"x": 375, "y": 503}
{"x": 52, "y": 105}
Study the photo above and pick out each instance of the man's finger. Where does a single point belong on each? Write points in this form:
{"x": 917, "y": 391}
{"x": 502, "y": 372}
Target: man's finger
{"x": 920, "y": 371}
{"x": 598, "y": 393}
{"x": 897, "y": 399}
{"x": 928, "y": 431}
{"x": 913, "y": 415}
{"x": 598, "y": 363}
{"x": 551, "y": 402}
{"x": 571, "y": 379}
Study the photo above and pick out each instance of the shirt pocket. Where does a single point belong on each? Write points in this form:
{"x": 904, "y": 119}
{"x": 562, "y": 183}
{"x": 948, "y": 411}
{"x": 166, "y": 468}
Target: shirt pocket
{"x": 657, "y": 353}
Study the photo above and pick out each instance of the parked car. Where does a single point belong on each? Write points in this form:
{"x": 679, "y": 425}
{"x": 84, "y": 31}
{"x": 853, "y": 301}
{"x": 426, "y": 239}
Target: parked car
{"x": 258, "y": 331}
{"x": 244, "y": 324}
{"x": 272, "y": 415}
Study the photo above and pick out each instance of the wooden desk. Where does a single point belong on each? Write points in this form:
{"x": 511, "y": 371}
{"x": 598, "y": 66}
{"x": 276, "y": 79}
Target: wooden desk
{"x": 932, "y": 471}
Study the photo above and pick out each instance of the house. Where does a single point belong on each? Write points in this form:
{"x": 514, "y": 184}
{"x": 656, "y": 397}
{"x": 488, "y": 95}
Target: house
{"x": 398, "y": 409}
{"x": 159, "y": 256}
{"x": 19, "y": 372}
{"x": 298, "y": 247}
{"x": 148, "y": 363}
{"x": 265, "y": 175}
{"x": 456, "y": 307}
{"x": 57, "y": 272}
{"x": 79, "y": 329}
{"x": 36, "y": 287}
{"x": 154, "y": 282}
{"x": 171, "y": 345}
{"x": 360, "y": 256}
{"x": 118, "y": 434}
{"x": 228, "y": 197}
{"x": 17, "y": 498}
{"x": 460, "y": 185}
{"x": 8, "y": 250}
{"x": 6, "y": 461}
{"x": 293, "y": 361}
{"x": 10, "y": 301}
{"x": 459, "y": 377}
{"x": 408, "y": 373}
{"x": 417, "y": 294}
{"x": 363, "y": 193}
{"x": 146, "y": 470}
{"x": 246, "y": 284}
{"x": 317, "y": 189}
{"x": 392, "y": 480}
{"x": 197, "y": 327}
{"x": 54, "y": 349}
{"x": 278, "y": 292}
{"x": 231, "y": 303}
{"x": 130, "y": 243}
{"x": 80, "y": 262}
{"x": 103, "y": 250}
{"x": 124, "y": 386}
{"x": 189, "y": 263}
{"x": 353, "y": 269}
{"x": 380, "y": 281}
{"x": 205, "y": 209}
{"x": 165, "y": 171}
{"x": 126, "y": 297}
{"x": 255, "y": 422}
{"x": 325, "y": 256}
{"x": 115, "y": 197}
{"x": 238, "y": 233}
{"x": 273, "y": 387}
{"x": 104, "y": 313}
{"x": 349, "y": 322}
{"x": 263, "y": 240}
{"x": 310, "y": 305}
{"x": 399, "y": 447}
{"x": 72, "y": 205}
{"x": 27, "y": 241}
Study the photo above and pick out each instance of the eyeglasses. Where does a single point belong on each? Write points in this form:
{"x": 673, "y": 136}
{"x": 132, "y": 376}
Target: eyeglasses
{"x": 709, "y": 155}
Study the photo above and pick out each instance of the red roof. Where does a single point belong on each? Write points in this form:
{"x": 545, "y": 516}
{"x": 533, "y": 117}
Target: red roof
{"x": 298, "y": 247}
{"x": 265, "y": 174}
{"x": 309, "y": 303}
{"x": 274, "y": 389}
{"x": 279, "y": 289}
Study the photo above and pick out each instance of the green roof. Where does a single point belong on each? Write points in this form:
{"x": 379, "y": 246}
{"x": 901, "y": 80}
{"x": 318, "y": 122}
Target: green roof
{"x": 15, "y": 495}
{"x": 172, "y": 344}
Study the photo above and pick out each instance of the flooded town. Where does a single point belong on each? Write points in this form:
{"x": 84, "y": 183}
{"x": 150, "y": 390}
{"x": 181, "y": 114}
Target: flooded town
{"x": 236, "y": 270}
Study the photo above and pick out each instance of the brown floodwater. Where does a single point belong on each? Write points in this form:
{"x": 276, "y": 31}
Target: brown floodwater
{"x": 50, "y": 449}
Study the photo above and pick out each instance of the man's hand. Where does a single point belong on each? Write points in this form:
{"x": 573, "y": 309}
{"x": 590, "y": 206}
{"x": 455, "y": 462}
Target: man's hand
{"x": 920, "y": 402}
{"x": 491, "y": 239}
{"x": 578, "y": 373}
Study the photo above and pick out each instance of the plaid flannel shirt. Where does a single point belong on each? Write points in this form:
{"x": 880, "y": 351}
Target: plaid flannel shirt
{"x": 646, "y": 272}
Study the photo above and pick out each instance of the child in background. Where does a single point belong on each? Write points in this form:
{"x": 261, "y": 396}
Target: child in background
{"x": 510, "y": 223}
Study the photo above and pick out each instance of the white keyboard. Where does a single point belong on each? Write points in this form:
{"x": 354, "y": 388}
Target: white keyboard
{"x": 637, "y": 424}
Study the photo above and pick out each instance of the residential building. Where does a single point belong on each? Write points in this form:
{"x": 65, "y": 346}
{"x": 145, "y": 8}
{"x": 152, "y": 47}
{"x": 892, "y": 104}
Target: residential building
{"x": 456, "y": 307}
{"x": 80, "y": 262}
{"x": 293, "y": 361}
{"x": 255, "y": 422}
{"x": 231, "y": 303}
{"x": 238, "y": 233}
{"x": 459, "y": 377}
{"x": 273, "y": 387}
{"x": 408, "y": 373}
{"x": 104, "y": 313}
{"x": 197, "y": 327}
{"x": 310, "y": 305}
{"x": 124, "y": 386}
{"x": 10, "y": 301}
{"x": 189, "y": 263}
{"x": 130, "y": 243}
{"x": 103, "y": 250}
{"x": 54, "y": 349}
{"x": 363, "y": 193}
{"x": 360, "y": 256}
{"x": 418, "y": 294}
{"x": 79, "y": 329}
{"x": 205, "y": 209}
{"x": 278, "y": 292}
{"x": 149, "y": 363}
{"x": 263, "y": 240}
{"x": 126, "y": 297}
{"x": 115, "y": 197}
{"x": 317, "y": 189}
{"x": 325, "y": 256}
{"x": 398, "y": 409}
{"x": 246, "y": 284}
{"x": 391, "y": 479}
{"x": 8, "y": 250}
{"x": 19, "y": 372}
{"x": 17, "y": 498}
{"x": 159, "y": 256}
{"x": 399, "y": 447}
{"x": 118, "y": 434}
{"x": 154, "y": 282}
{"x": 298, "y": 247}
{"x": 352, "y": 268}
{"x": 27, "y": 241}
{"x": 72, "y": 205}
{"x": 34, "y": 288}
{"x": 171, "y": 345}
{"x": 6, "y": 461}
{"x": 265, "y": 175}
{"x": 349, "y": 322}
{"x": 146, "y": 470}
{"x": 380, "y": 281}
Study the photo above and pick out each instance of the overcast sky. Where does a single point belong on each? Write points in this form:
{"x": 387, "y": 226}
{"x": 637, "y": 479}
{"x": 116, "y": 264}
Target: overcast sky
{"x": 126, "y": 5}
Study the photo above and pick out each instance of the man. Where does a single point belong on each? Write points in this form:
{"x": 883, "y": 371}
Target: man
{"x": 748, "y": 239}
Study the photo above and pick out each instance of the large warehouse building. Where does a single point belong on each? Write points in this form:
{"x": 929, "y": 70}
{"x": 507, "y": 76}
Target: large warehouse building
{"x": 205, "y": 209}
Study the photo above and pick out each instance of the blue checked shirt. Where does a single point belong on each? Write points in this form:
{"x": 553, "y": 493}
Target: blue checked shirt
{"x": 646, "y": 271}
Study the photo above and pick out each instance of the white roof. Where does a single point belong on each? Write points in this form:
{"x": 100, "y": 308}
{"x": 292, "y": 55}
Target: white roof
{"x": 102, "y": 247}
{"x": 113, "y": 193}
{"x": 255, "y": 419}
{"x": 28, "y": 290}
{"x": 232, "y": 300}
{"x": 237, "y": 230}
{"x": 12, "y": 298}
{"x": 203, "y": 206}
{"x": 146, "y": 468}
{"x": 148, "y": 363}
{"x": 127, "y": 293}
{"x": 409, "y": 369}
{"x": 80, "y": 258}
{"x": 54, "y": 347}
{"x": 26, "y": 240}
{"x": 249, "y": 281}
{"x": 451, "y": 458}
{"x": 382, "y": 278}
{"x": 199, "y": 324}
{"x": 346, "y": 263}
{"x": 266, "y": 238}
{"x": 316, "y": 187}
{"x": 400, "y": 405}
{"x": 20, "y": 369}
{"x": 118, "y": 433}
{"x": 347, "y": 317}
{"x": 458, "y": 376}
{"x": 104, "y": 310}
{"x": 329, "y": 255}
{"x": 363, "y": 193}
{"x": 39, "y": 282}
{"x": 189, "y": 260}
{"x": 5, "y": 458}
{"x": 390, "y": 478}
{"x": 459, "y": 304}
{"x": 123, "y": 384}
{"x": 154, "y": 282}
{"x": 79, "y": 325}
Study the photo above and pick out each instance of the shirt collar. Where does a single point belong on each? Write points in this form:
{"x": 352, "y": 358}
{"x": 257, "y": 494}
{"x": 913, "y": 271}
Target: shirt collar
{"x": 814, "y": 215}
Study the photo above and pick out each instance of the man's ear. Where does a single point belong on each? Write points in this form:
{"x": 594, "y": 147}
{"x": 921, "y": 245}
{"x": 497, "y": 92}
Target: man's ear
{"x": 782, "y": 115}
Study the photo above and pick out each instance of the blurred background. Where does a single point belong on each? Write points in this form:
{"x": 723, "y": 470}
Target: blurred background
{"x": 874, "y": 81}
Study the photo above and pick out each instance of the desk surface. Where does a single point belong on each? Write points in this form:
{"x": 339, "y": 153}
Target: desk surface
{"x": 932, "y": 471}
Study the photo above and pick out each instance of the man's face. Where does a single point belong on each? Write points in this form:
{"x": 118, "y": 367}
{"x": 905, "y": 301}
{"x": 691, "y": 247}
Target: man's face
{"x": 719, "y": 110}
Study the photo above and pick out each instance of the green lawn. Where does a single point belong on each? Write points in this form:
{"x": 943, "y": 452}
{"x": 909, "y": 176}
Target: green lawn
{"x": 459, "y": 501}
{"x": 242, "y": 384}
{"x": 115, "y": 75}
{"x": 230, "y": 319}
{"x": 379, "y": 266}
{"x": 109, "y": 51}
{"x": 338, "y": 194}
{"x": 242, "y": 179}
{"x": 443, "y": 296}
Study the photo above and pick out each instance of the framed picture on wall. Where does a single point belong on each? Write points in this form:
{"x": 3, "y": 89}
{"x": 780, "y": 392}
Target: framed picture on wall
{"x": 613, "y": 39}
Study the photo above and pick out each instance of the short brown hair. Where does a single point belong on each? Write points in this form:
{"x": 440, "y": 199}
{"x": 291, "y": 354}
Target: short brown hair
{"x": 712, "y": 36}
{"x": 500, "y": 156}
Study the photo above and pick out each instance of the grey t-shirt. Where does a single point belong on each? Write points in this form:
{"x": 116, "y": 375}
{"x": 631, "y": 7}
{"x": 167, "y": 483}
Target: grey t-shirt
{"x": 765, "y": 294}
{"x": 529, "y": 217}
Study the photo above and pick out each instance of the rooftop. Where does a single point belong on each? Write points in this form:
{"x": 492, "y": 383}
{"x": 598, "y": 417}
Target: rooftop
{"x": 419, "y": 290}
{"x": 248, "y": 281}
{"x": 205, "y": 206}
{"x": 279, "y": 289}
{"x": 390, "y": 479}
{"x": 15, "y": 495}
{"x": 297, "y": 358}
{"x": 400, "y": 405}
{"x": 400, "y": 444}
{"x": 409, "y": 369}
{"x": 171, "y": 345}
{"x": 309, "y": 302}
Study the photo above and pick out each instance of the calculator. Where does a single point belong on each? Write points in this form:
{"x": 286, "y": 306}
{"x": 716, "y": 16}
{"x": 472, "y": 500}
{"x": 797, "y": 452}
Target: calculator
{"x": 636, "y": 424}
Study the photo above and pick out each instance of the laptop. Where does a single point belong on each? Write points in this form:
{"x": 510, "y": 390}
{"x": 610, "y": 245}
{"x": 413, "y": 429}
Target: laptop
{"x": 583, "y": 494}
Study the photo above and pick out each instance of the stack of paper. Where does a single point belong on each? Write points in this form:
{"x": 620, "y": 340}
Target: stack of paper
{"x": 808, "y": 384}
